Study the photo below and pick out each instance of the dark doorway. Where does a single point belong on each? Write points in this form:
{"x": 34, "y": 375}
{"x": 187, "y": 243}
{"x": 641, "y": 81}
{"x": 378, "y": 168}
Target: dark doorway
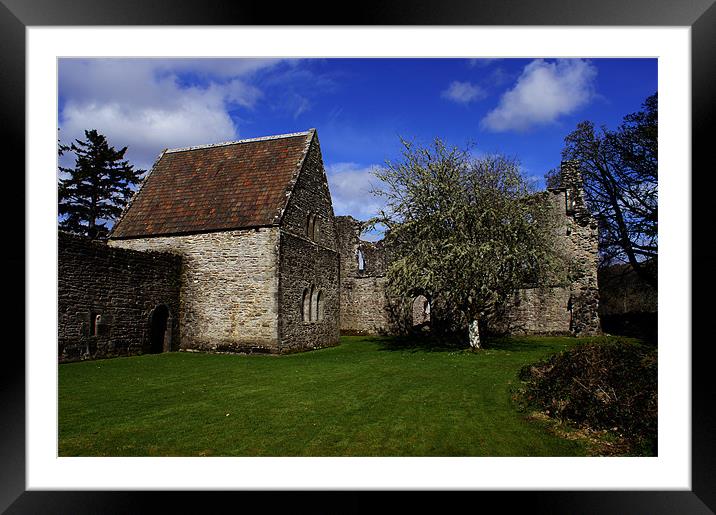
{"x": 159, "y": 329}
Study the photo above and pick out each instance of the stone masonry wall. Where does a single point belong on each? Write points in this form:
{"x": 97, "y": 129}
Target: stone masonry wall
{"x": 305, "y": 265}
{"x": 120, "y": 286}
{"x": 582, "y": 244}
{"x": 568, "y": 308}
{"x": 229, "y": 288}
{"x": 365, "y": 308}
{"x": 538, "y": 311}
{"x": 311, "y": 197}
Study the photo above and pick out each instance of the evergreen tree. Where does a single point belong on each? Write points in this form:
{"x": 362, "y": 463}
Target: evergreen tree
{"x": 97, "y": 188}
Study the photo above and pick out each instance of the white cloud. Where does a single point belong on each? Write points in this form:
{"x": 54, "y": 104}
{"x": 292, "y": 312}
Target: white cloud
{"x": 463, "y": 92}
{"x": 144, "y": 104}
{"x": 481, "y": 62}
{"x": 544, "y": 92}
{"x": 351, "y": 186}
{"x": 302, "y": 105}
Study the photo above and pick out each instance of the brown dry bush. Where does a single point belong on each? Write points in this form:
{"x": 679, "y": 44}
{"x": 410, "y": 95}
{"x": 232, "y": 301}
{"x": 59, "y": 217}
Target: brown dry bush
{"x": 610, "y": 384}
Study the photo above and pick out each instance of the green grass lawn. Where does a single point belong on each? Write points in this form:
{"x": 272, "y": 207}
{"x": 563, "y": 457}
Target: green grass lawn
{"x": 366, "y": 397}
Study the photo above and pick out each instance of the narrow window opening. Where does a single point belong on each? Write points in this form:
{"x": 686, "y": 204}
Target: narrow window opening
{"x": 361, "y": 260}
{"x": 314, "y": 305}
{"x": 308, "y": 226}
{"x": 319, "y": 306}
{"x": 311, "y": 308}
{"x": 569, "y": 200}
{"x": 306, "y": 305}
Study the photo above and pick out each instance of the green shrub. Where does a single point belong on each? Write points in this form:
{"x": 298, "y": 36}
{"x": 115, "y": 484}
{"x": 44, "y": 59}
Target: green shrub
{"x": 608, "y": 384}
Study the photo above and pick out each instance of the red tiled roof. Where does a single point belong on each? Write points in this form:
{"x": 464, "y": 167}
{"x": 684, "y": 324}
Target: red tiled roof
{"x": 216, "y": 187}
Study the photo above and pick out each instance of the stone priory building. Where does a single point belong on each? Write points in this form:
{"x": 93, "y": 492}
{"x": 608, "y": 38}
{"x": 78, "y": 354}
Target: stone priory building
{"x": 234, "y": 247}
{"x": 253, "y": 222}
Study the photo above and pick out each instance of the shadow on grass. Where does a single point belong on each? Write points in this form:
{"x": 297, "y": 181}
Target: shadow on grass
{"x": 517, "y": 344}
{"x": 421, "y": 342}
{"x": 427, "y": 342}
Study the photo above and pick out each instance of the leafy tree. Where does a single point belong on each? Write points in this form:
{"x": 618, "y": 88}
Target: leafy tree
{"x": 98, "y": 187}
{"x": 463, "y": 231}
{"x": 620, "y": 175}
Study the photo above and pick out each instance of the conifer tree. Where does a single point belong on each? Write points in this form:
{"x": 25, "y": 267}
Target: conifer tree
{"x": 97, "y": 189}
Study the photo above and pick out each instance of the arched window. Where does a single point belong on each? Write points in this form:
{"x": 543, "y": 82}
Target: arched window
{"x": 311, "y": 226}
{"x": 361, "y": 260}
{"x": 306, "y": 305}
{"x": 569, "y": 200}
{"x": 314, "y": 304}
{"x": 319, "y": 305}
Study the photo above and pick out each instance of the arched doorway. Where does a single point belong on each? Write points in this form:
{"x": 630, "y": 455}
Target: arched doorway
{"x": 160, "y": 330}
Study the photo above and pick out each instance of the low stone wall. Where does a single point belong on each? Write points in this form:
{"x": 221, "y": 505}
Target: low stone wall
{"x": 307, "y": 266}
{"x": 365, "y": 307}
{"x": 106, "y": 297}
{"x": 229, "y": 288}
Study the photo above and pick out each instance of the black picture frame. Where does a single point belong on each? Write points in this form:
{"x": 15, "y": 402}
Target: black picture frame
{"x": 699, "y": 15}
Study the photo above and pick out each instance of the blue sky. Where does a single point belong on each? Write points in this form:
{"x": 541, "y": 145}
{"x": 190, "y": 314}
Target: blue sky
{"x": 360, "y": 107}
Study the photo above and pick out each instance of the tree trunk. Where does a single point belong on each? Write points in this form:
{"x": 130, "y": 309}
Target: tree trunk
{"x": 474, "y": 333}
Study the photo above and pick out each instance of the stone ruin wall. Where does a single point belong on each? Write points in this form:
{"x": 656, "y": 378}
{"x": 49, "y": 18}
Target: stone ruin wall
{"x": 581, "y": 244}
{"x": 229, "y": 288}
{"x": 120, "y": 286}
{"x": 570, "y": 308}
{"x": 364, "y": 306}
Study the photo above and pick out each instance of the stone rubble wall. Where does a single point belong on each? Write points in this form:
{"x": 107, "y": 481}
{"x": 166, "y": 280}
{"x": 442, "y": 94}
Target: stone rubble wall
{"x": 311, "y": 196}
{"x": 582, "y": 244}
{"x": 122, "y": 287}
{"x": 568, "y": 308}
{"x": 229, "y": 288}
{"x": 365, "y": 308}
{"x": 538, "y": 311}
{"x": 572, "y": 307}
{"x": 305, "y": 264}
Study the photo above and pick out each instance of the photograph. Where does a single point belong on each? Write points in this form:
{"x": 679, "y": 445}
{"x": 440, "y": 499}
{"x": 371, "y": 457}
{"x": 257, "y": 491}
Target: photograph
{"x": 428, "y": 252}
{"x": 364, "y": 257}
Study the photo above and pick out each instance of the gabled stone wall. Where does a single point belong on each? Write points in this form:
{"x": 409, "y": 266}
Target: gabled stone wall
{"x": 106, "y": 295}
{"x": 308, "y": 261}
{"x": 311, "y": 197}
